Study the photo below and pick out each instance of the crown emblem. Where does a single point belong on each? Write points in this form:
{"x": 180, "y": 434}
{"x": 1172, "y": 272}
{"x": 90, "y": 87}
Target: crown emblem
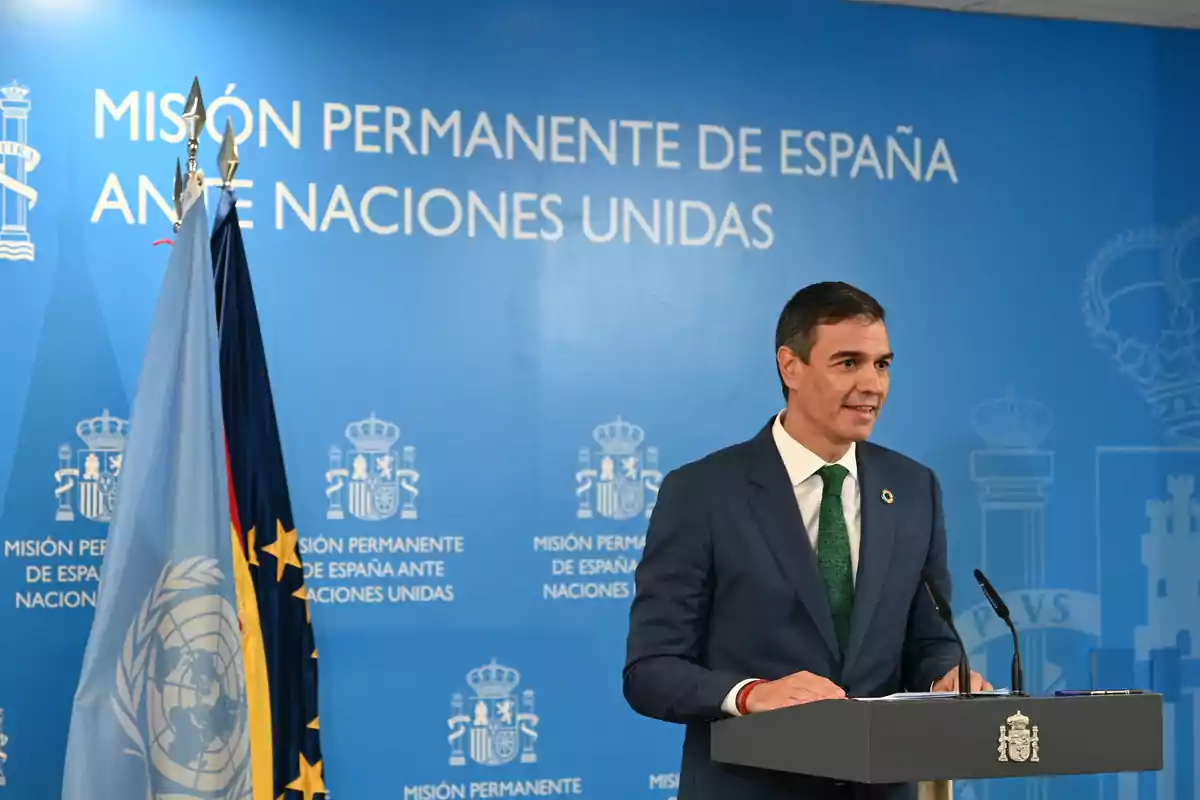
{"x": 372, "y": 435}
{"x": 619, "y": 438}
{"x": 1017, "y": 722}
{"x": 14, "y": 92}
{"x": 1140, "y": 308}
{"x": 493, "y": 681}
{"x": 1011, "y": 423}
{"x": 104, "y": 432}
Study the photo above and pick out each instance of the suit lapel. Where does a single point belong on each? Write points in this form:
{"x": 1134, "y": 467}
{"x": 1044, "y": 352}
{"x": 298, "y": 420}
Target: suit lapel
{"x": 878, "y": 533}
{"x": 774, "y": 507}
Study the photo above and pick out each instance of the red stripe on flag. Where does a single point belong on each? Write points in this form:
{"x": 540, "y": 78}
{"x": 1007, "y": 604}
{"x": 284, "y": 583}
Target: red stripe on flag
{"x": 233, "y": 504}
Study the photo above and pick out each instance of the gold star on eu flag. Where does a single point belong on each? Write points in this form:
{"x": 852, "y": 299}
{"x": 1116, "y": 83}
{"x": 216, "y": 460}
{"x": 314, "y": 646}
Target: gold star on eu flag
{"x": 310, "y": 781}
{"x": 284, "y": 550}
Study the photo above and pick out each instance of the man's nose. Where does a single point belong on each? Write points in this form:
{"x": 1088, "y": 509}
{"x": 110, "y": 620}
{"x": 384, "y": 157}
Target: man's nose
{"x": 869, "y": 381}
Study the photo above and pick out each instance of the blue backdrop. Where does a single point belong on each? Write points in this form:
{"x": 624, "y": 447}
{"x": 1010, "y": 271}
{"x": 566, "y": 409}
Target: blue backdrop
{"x": 498, "y": 248}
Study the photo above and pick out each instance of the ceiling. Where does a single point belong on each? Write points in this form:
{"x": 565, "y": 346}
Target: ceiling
{"x": 1164, "y": 13}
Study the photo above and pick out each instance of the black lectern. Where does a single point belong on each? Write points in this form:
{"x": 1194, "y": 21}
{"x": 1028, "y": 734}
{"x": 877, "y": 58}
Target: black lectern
{"x": 949, "y": 737}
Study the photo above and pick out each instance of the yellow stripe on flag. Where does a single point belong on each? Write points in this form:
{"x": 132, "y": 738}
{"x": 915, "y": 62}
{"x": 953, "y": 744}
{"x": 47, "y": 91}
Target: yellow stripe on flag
{"x": 258, "y": 690}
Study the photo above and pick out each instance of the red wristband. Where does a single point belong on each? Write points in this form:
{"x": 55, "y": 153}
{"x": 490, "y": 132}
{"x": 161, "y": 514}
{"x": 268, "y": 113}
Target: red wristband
{"x": 742, "y": 695}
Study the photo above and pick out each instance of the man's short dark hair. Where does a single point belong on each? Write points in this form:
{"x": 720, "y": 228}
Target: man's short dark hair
{"x": 826, "y": 303}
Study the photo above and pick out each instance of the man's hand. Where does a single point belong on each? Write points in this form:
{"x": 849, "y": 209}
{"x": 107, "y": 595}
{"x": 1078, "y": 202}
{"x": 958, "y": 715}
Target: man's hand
{"x": 800, "y": 687}
{"x": 949, "y": 682}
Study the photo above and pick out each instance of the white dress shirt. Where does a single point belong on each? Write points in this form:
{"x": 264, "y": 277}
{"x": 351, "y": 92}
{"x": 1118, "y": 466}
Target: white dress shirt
{"x": 802, "y": 465}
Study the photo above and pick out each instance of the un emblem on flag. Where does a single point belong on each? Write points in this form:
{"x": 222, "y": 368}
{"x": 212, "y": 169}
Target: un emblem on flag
{"x": 615, "y": 480}
{"x": 378, "y": 475}
{"x": 180, "y": 694}
{"x": 495, "y": 728}
{"x": 89, "y": 476}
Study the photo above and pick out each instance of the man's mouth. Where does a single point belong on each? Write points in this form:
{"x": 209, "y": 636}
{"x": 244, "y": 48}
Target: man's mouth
{"x": 863, "y": 409}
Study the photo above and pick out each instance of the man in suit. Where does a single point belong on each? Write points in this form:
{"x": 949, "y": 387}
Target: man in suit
{"x": 787, "y": 569}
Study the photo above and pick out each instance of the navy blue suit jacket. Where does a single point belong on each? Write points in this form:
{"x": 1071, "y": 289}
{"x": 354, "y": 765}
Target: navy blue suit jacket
{"x": 728, "y": 588}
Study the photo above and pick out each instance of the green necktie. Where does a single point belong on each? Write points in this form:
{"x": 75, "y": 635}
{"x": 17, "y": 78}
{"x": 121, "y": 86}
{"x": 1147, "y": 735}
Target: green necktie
{"x": 833, "y": 550}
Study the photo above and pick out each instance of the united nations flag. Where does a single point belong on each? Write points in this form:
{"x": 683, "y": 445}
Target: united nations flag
{"x": 161, "y": 709}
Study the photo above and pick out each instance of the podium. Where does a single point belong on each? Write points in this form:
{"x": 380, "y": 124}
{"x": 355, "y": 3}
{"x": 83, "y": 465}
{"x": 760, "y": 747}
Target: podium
{"x": 935, "y": 740}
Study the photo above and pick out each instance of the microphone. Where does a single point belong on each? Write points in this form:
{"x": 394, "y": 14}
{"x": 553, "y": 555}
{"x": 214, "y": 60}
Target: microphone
{"x": 998, "y": 605}
{"x": 943, "y": 610}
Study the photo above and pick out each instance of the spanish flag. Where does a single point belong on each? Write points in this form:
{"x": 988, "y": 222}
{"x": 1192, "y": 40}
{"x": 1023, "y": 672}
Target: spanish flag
{"x": 277, "y": 635}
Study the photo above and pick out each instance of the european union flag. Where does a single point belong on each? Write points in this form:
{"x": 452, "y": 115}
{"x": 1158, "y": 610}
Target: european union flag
{"x": 282, "y": 681}
{"x": 160, "y": 710}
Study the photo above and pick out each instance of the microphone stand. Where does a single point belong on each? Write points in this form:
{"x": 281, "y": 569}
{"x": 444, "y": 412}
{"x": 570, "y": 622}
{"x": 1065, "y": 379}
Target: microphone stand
{"x": 964, "y": 667}
{"x": 1001, "y": 609}
{"x": 943, "y": 610}
{"x": 1018, "y": 672}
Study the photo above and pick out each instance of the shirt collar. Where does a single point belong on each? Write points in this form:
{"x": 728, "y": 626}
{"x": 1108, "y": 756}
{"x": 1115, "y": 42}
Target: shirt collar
{"x": 802, "y": 463}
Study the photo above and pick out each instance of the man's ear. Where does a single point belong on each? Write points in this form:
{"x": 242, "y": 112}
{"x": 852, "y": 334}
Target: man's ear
{"x": 789, "y": 365}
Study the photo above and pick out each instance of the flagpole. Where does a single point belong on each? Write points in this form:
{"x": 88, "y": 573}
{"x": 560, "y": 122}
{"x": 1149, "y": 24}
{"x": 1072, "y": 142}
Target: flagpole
{"x": 194, "y": 118}
{"x": 227, "y": 165}
{"x": 178, "y": 196}
{"x": 227, "y": 158}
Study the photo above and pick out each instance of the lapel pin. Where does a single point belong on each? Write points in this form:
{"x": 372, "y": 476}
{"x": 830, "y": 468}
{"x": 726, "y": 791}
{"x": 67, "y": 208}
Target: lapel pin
{"x": 887, "y": 496}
